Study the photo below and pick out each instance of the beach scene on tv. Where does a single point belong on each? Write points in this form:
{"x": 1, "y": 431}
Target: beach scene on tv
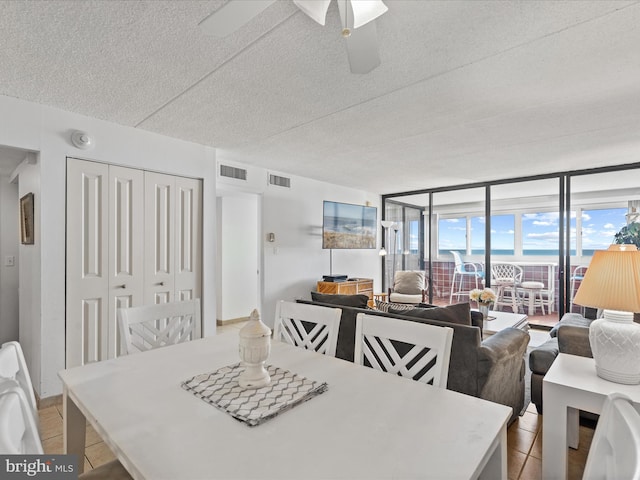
{"x": 348, "y": 226}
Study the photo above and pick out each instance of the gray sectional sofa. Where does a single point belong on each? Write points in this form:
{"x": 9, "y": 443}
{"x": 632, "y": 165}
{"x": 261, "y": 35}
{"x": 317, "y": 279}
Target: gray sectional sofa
{"x": 492, "y": 369}
{"x": 569, "y": 335}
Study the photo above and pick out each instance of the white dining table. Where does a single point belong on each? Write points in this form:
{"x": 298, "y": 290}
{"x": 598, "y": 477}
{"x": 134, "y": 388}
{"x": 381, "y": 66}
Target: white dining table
{"x": 368, "y": 424}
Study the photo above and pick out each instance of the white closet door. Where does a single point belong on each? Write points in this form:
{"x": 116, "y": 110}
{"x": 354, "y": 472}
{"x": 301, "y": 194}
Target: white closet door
{"x": 126, "y": 259}
{"x": 87, "y": 253}
{"x": 159, "y": 248}
{"x": 188, "y": 241}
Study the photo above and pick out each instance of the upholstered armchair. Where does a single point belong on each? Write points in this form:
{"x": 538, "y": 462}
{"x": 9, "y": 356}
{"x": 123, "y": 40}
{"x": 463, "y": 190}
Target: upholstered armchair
{"x": 409, "y": 286}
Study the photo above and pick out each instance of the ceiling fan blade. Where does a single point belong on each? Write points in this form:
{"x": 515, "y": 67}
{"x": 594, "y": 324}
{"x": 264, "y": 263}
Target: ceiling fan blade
{"x": 365, "y": 11}
{"x": 316, "y": 9}
{"x": 232, "y": 16}
{"x": 362, "y": 48}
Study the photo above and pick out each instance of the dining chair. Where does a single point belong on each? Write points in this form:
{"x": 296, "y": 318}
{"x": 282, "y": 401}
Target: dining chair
{"x": 615, "y": 448}
{"x": 308, "y": 326}
{"x": 507, "y": 278}
{"x": 14, "y": 366}
{"x": 409, "y": 349}
{"x": 18, "y": 429}
{"x": 19, "y": 432}
{"x": 153, "y": 326}
{"x": 461, "y": 272}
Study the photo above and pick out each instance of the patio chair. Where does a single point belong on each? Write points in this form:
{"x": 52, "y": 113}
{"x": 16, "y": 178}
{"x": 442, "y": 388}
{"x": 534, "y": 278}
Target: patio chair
{"x": 507, "y": 277}
{"x": 413, "y": 350}
{"x": 462, "y": 272}
{"x": 308, "y": 326}
{"x": 152, "y": 326}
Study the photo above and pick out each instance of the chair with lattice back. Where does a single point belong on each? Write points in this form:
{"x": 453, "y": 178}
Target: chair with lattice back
{"x": 151, "y": 326}
{"x": 308, "y": 326}
{"x": 507, "y": 277}
{"x": 413, "y": 350}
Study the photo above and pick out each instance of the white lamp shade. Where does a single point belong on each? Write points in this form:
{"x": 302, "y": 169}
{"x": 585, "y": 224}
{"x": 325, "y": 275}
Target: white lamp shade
{"x": 612, "y": 280}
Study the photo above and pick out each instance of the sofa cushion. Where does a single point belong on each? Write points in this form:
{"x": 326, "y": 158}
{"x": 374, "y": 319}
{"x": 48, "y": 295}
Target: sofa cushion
{"x": 409, "y": 282}
{"x": 459, "y": 313}
{"x": 574, "y": 319}
{"x": 541, "y": 358}
{"x": 358, "y": 301}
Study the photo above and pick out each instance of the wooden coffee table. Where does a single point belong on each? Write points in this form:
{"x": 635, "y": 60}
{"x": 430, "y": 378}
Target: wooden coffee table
{"x": 504, "y": 320}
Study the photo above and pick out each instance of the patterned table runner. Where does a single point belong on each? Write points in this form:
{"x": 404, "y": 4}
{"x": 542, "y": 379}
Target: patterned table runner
{"x": 254, "y": 405}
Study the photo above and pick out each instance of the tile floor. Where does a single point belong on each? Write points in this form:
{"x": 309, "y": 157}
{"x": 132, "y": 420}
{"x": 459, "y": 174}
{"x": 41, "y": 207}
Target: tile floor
{"x": 524, "y": 440}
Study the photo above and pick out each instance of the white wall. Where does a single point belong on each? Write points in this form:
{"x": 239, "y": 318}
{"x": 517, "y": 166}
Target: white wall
{"x": 8, "y": 247}
{"x": 239, "y": 261}
{"x": 296, "y": 261}
{"x": 47, "y": 130}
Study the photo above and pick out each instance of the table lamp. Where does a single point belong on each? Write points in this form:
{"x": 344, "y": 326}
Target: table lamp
{"x": 612, "y": 283}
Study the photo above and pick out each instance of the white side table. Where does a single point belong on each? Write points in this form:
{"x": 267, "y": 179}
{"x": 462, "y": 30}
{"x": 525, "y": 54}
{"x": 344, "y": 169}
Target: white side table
{"x": 570, "y": 385}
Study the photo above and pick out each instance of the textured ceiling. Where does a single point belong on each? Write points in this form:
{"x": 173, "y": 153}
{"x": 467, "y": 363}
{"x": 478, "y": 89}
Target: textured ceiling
{"x": 467, "y": 91}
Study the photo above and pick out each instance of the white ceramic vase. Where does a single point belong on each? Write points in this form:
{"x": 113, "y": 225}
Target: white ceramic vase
{"x": 615, "y": 343}
{"x": 254, "y": 349}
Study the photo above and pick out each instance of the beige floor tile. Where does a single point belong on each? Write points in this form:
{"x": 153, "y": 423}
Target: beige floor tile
{"x": 520, "y": 440}
{"x": 515, "y": 461}
{"x": 53, "y": 445}
{"x": 536, "y": 448}
{"x": 530, "y": 421}
{"x": 98, "y": 454}
{"x": 532, "y": 469}
{"x": 50, "y": 423}
{"x": 87, "y": 465}
{"x": 91, "y": 436}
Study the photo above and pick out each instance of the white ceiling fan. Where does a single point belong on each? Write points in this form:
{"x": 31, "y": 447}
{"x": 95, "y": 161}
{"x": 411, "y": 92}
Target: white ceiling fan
{"x": 359, "y": 29}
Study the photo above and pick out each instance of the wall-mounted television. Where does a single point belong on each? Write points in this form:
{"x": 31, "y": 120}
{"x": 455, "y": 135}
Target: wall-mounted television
{"x": 345, "y": 226}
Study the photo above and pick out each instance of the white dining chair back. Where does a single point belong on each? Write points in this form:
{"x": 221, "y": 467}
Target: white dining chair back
{"x": 308, "y": 326}
{"x": 409, "y": 349}
{"x": 153, "y": 326}
{"x": 14, "y": 366}
{"x": 18, "y": 429}
{"x": 615, "y": 448}
{"x": 19, "y": 432}
{"x": 576, "y": 278}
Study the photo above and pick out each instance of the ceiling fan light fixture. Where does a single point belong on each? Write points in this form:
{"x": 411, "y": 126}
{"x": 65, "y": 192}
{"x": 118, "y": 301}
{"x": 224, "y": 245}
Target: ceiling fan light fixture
{"x": 316, "y": 9}
{"x": 365, "y": 11}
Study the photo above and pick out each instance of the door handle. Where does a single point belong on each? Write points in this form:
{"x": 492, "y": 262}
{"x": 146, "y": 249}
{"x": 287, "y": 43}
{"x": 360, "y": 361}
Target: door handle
{"x": 160, "y": 284}
{"x": 124, "y": 285}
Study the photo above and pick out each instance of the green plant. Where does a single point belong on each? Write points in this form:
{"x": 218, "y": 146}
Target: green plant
{"x": 629, "y": 234}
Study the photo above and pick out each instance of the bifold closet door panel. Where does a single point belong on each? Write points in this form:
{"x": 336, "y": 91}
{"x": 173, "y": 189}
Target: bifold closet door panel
{"x": 87, "y": 310}
{"x": 126, "y": 246}
{"x": 159, "y": 238}
{"x": 188, "y": 240}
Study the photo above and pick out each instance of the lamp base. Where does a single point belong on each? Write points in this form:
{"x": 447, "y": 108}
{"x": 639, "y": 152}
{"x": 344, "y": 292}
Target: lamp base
{"x": 615, "y": 343}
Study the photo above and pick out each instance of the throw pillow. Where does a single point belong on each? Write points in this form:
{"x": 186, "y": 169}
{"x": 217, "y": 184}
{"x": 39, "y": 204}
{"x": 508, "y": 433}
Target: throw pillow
{"x": 408, "y": 282}
{"x": 388, "y": 307}
{"x": 459, "y": 313}
{"x": 359, "y": 301}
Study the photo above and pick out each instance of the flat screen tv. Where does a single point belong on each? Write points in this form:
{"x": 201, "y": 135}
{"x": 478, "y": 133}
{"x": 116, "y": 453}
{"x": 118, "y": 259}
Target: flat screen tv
{"x": 345, "y": 226}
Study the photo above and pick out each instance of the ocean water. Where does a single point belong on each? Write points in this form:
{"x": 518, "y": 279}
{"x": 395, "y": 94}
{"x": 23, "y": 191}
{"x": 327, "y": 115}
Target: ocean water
{"x": 540, "y": 252}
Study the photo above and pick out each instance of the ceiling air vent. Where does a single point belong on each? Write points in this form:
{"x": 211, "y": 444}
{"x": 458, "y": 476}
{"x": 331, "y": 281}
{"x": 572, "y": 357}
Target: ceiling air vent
{"x": 279, "y": 181}
{"x": 233, "y": 172}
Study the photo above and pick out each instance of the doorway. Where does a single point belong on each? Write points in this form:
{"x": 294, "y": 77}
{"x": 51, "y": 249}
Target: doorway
{"x": 238, "y": 256}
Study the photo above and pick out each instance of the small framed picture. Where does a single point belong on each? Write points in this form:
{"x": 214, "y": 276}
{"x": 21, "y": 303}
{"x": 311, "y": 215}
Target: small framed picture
{"x": 26, "y": 219}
